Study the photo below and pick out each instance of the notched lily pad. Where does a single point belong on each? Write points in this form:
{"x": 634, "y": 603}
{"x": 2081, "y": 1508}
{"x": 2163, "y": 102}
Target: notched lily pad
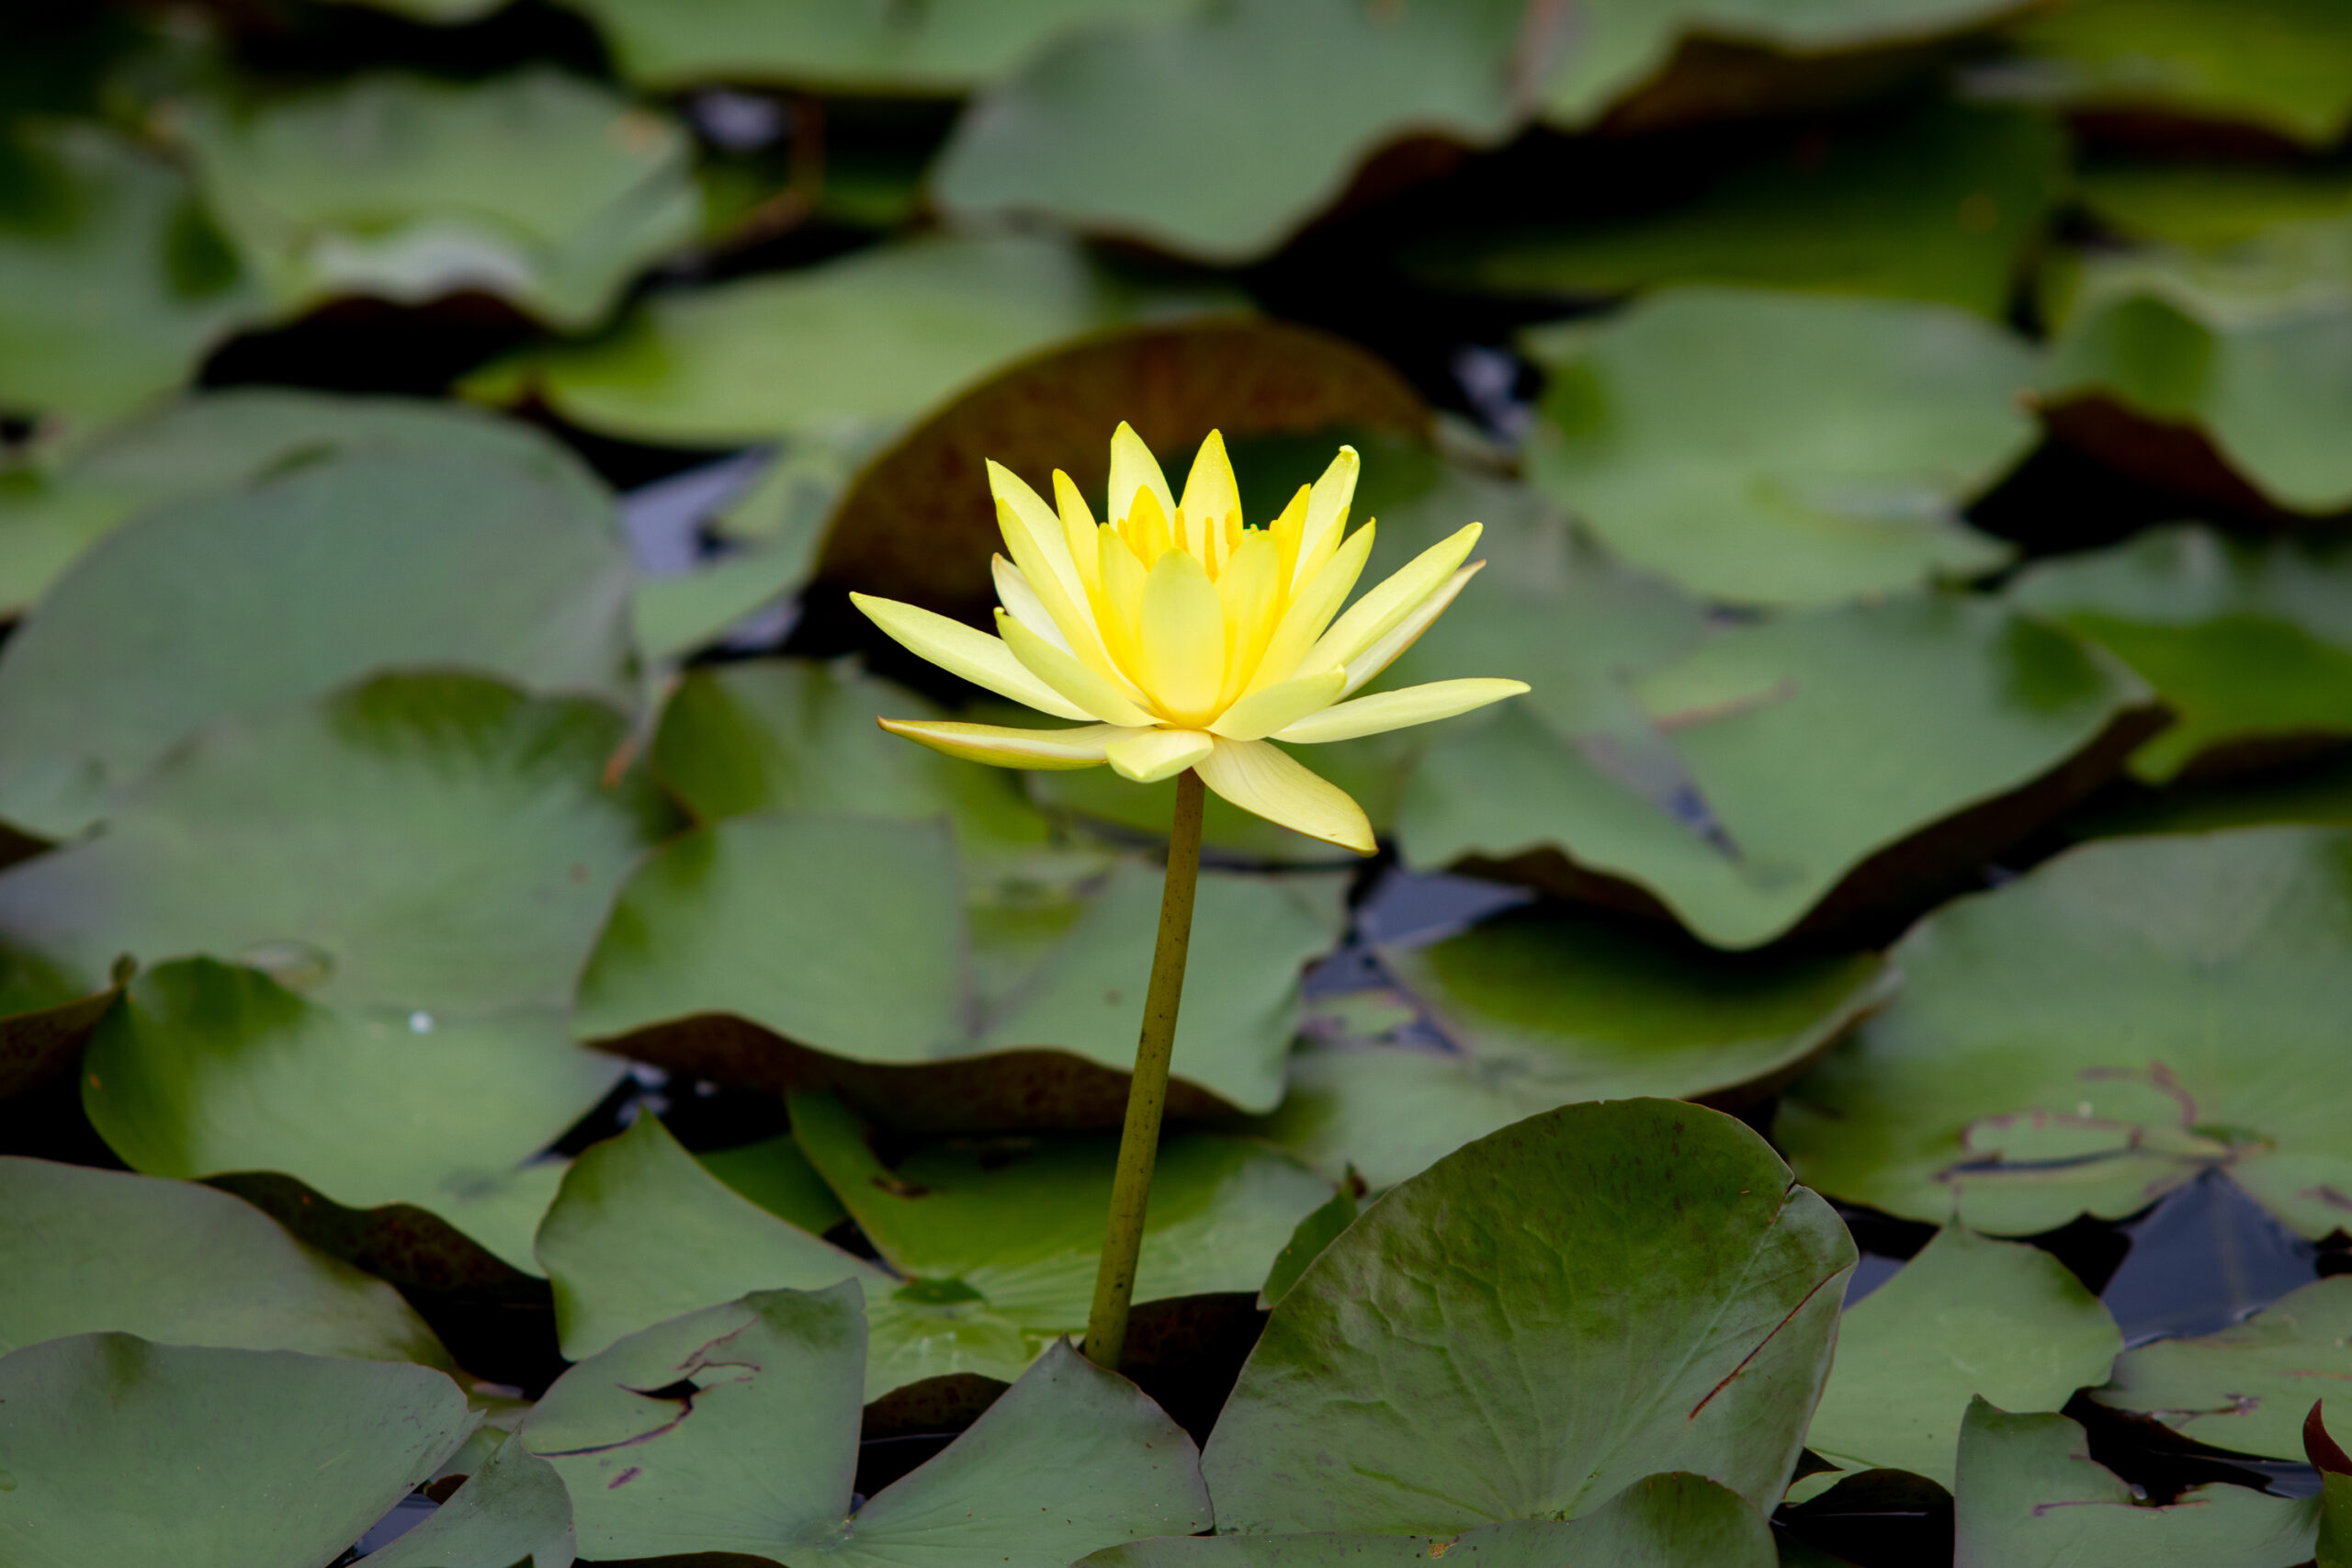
{"x": 2248, "y": 1387}
{"x": 512, "y": 1511}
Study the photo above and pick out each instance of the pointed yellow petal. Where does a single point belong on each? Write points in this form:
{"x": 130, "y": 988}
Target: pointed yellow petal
{"x": 1256, "y": 775}
{"x": 1133, "y": 468}
{"x": 1382, "y": 654}
{"x": 1248, "y": 597}
{"x": 1395, "y": 710}
{"x": 961, "y": 651}
{"x": 1378, "y": 613}
{"x": 1285, "y": 530}
{"x": 1092, "y": 692}
{"x": 1147, "y": 530}
{"x": 1118, "y": 609}
{"x": 1078, "y": 531}
{"x": 1210, "y": 492}
{"x": 1021, "y": 601}
{"x": 1309, "y": 612}
{"x": 1033, "y": 532}
{"x": 1063, "y": 599}
{"x": 1264, "y": 712}
{"x": 1181, "y": 638}
{"x": 1327, "y": 516}
{"x": 1005, "y": 747}
{"x": 1148, "y": 756}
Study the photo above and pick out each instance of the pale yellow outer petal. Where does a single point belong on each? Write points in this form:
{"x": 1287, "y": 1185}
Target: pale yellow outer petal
{"x": 1041, "y": 526}
{"x": 1327, "y": 516}
{"x": 1182, "y": 639}
{"x": 1133, "y": 468}
{"x": 1210, "y": 496}
{"x": 1095, "y": 695}
{"x": 1378, "y": 613}
{"x": 1019, "y": 600}
{"x": 1265, "y": 711}
{"x": 961, "y": 651}
{"x": 1404, "y": 633}
{"x": 1310, "y": 611}
{"x": 1395, "y": 710}
{"x": 1075, "y": 617}
{"x": 1077, "y": 530}
{"x": 1005, "y": 747}
{"x": 1148, "y": 756}
{"x": 1259, "y": 776}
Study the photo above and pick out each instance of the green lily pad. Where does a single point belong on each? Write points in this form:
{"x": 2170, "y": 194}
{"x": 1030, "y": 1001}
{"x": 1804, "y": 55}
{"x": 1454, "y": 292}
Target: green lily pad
{"x": 1665, "y": 1521}
{"x": 2212, "y": 205}
{"x": 831, "y": 352}
{"x": 117, "y": 1450}
{"x": 113, "y": 281}
{"x": 2078, "y": 1041}
{"x": 87, "y": 1250}
{"x": 1191, "y": 131}
{"x": 2283, "y": 65}
{"x": 1536, "y": 1322}
{"x": 776, "y": 1175}
{"x": 1968, "y": 1317}
{"x": 1819, "y": 765}
{"x": 933, "y": 996}
{"x": 306, "y": 580}
{"x": 539, "y": 187}
{"x": 2245, "y": 1388}
{"x": 45, "y": 1019}
{"x": 1781, "y": 449}
{"x": 2246, "y": 642}
{"x": 1548, "y": 1008}
{"x": 2031, "y": 1497}
{"x": 1018, "y": 1222}
{"x": 513, "y": 1509}
{"x": 942, "y": 48}
{"x": 735, "y": 1430}
{"x": 214, "y": 442}
{"x": 1937, "y": 206}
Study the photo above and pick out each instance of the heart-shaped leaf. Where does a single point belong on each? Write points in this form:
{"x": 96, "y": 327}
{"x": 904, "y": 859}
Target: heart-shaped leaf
{"x": 2245, "y": 1388}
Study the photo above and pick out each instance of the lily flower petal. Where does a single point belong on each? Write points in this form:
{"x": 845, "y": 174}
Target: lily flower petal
{"x": 1268, "y": 709}
{"x": 1377, "y": 614}
{"x": 1210, "y": 496}
{"x": 1078, "y": 531}
{"x": 1133, "y": 468}
{"x": 1092, "y": 692}
{"x": 1310, "y": 610}
{"x": 1407, "y": 632}
{"x": 1327, "y": 516}
{"x": 1148, "y": 756}
{"x": 1053, "y": 589}
{"x": 1003, "y": 747}
{"x": 962, "y": 650}
{"x": 1021, "y": 601}
{"x": 1396, "y": 710}
{"x": 1181, "y": 638}
{"x": 1259, "y": 776}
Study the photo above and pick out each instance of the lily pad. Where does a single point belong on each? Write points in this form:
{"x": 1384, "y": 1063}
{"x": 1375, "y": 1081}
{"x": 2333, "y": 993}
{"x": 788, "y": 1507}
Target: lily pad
{"x": 1938, "y": 207}
{"x": 303, "y": 582}
{"x": 539, "y": 187}
{"x": 1538, "y": 1321}
{"x": 86, "y": 1250}
{"x": 1544, "y": 1009}
{"x": 512, "y": 1511}
{"x": 834, "y": 351}
{"x": 1825, "y": 766}
{"x": 2078, "y": 1041}
{"x": 2031, "y": 1497}
{"x": 776, "y": 1175}
{"x": 1781, "y": 449}
{"x": 2248, "y": 643}
{"x": 2245, "y": 1388}
{"x": 1190, "y": 131}
{"x": 942, "y": 48}
{"x": 117, "y": 1451}
{"x": 735, "y": 1430}
{"x": 115, "y": 282}
{"x": 933, "y": 996}
{"x": 1967, "y": 1317}
{"x": 45, "y": 1019}
{"x": 1665, "y": 1521}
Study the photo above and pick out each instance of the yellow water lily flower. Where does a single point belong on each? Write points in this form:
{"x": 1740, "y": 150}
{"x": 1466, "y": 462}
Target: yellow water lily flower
{"x": 1186, "y": 638}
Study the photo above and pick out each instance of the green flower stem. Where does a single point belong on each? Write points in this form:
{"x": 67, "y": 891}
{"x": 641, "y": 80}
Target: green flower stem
{"x": 1115, "y": 1281}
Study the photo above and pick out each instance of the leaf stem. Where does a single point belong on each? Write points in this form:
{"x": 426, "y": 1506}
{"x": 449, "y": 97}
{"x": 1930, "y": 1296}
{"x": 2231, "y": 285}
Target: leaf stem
{"x": 1115, "y": 1281}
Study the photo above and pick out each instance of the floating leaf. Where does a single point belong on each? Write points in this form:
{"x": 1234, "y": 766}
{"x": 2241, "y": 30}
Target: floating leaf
{"x": 1544, "y": 1009}
{"x": 513, "y": 1510}
{"x": 1829, "y": 763}
{"x": 1967, "y": 1317}
{"x": 1538, "y": 1321}
{"x": 2078, "y": 1041}
{"x": 113, "y": 281}
{"x": 2246, "y": 642}
{"x": 2213, "y": 207}
{"x": 1664, "y": 1521}
{"x": 539, "y": 187}
{"x": 117, "y": 1450}
{"x": 45, "y": 1019}
{"x": 304, "y": 581}
{"x": 833, "y": 352}
{"x": 735, "y": 1430}
{"x": 2245, "y": 1388}
{"x": 85, "y": 1250}
{"x": 1780, "y": 449}
{"x": 1937, "y": 206}
{"x": 776, "y": 1175}
{"x": 2031, "y": 1496}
